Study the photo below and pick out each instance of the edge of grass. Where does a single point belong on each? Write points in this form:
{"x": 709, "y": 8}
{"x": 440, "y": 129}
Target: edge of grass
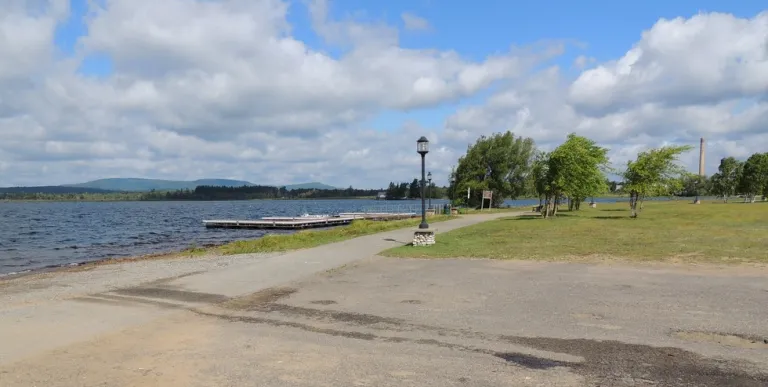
{"x": 313, "y": 238}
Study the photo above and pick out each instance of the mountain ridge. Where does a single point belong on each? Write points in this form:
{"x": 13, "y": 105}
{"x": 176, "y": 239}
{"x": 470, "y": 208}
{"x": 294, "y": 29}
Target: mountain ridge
{"x": 143, "y": 185}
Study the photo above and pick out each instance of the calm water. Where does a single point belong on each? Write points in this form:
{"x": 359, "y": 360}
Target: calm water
{"x": 35, "y": 235}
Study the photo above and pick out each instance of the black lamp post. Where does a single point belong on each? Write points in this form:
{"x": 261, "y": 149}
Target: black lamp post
{"x": 422, "y": 147}
{"x": 429, "y": 188}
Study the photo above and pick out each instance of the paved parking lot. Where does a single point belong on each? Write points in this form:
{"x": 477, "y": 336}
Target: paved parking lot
{"x": 396, "y": 322}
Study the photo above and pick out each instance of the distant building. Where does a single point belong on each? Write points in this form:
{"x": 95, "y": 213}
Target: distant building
{"x": 381, "y": 196}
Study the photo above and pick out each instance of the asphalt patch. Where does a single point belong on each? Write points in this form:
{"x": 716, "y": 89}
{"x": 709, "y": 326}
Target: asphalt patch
{"x": 323, "y": 302}
{"x": 727, "y": 339}
{"x": 613, "y": 363}
{"x": 258, "y": 300}
{"x": 172, "y": 294}
{"x": 532, "y": 362}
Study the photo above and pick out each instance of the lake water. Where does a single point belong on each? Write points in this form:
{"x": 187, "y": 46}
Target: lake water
{"x": 36, "y": 235}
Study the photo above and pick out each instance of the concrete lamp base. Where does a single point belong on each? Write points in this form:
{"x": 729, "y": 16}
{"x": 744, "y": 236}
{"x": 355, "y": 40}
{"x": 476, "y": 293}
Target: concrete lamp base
{"x": 424, "y": 237}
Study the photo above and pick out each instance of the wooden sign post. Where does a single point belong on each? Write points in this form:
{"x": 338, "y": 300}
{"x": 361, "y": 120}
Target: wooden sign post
{"x": 486, "y": 195}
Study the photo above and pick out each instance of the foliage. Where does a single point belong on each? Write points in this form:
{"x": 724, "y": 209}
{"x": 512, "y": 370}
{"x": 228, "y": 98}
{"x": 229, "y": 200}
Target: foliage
{"x": 539, "y": 174}
{"x": 250, "y": 192}
{"x": 672, "y": 231}
{"x": 753, "y": 180}
{"x": 499, "y": 163}
{"x": 653, "y": 173}
{"x": 691, "y": 184}
{"x": 574, "y": 169}
{"x": 398, "y": 191}
{"x": 726, "y": 180}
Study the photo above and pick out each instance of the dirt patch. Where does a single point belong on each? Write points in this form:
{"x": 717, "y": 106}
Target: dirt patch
{"x": 323, "y": 302}
{"x": 259, "y": 299}
{"x": 727, "y": 339}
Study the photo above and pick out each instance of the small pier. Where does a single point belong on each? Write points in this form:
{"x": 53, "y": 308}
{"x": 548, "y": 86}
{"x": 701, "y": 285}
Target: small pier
{"x": 283, "y": 223}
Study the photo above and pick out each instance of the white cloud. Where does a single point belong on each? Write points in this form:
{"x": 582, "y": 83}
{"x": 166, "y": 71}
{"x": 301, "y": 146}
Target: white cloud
{"x": 705, "y": 59}
{"x": 702, "y": 77}
{"x": 223, "y": 89}
{"x": 414, "y": 22}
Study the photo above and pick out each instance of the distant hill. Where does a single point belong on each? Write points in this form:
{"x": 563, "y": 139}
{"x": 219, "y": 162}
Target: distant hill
{"x": 139, "y": 185}
{"x": 51, "y": 189}
{"x": 313, "y": 185}
{"x": 143, "y": 185}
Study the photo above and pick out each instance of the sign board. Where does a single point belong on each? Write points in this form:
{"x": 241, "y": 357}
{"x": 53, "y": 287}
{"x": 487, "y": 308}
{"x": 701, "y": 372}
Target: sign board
{"x": 467, "y": 192}
{"x": 486, "y": 195}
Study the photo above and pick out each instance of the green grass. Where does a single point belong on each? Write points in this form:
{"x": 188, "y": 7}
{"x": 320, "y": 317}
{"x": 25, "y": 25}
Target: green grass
{"x": 311, "y": 238}
{"x": 472, "y": 211}
{"x": 665, "y": 231}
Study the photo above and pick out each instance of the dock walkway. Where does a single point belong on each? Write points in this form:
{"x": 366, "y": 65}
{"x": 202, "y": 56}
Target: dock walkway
{"x": 301, "y": 222}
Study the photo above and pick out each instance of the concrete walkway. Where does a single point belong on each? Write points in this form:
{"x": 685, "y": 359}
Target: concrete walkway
{"x": 41, "y": 325}
{"x": 238, "y": 280}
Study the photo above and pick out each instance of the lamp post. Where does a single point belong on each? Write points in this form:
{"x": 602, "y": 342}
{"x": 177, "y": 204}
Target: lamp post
{"x": 453, "y": 189}
{"x": 429, "y": 189}
{"x": 422, "y": 147}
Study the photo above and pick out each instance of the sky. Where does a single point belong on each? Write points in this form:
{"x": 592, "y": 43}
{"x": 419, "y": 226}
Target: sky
{"x": 338, "y": 91}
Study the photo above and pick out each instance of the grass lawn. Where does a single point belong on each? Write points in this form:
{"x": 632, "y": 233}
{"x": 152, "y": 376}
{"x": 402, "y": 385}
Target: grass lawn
{"x": 665, "y": 231}
{"x": 311, "y": 238}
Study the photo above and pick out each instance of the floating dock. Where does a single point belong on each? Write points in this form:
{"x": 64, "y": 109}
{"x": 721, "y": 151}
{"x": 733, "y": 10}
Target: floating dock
{"x": 300, "y": 222}
{"x": 280, "y": 223}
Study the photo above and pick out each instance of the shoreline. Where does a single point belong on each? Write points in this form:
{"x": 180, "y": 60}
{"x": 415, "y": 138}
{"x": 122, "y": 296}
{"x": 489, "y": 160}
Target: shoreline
{"x": 89, "y": 265}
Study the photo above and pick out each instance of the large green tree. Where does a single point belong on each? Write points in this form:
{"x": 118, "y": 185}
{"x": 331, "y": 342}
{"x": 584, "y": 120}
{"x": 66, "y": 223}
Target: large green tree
{"x": 575, "y": 169}
{"x": 499, "y": 163}
{"x": 726, "y": 180}
{"x": 653, "y": 173}
{"x": 538, "y": 176}
{"x": 753, "y": 180}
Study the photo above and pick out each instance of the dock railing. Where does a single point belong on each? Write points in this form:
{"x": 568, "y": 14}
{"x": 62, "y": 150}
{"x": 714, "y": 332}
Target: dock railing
{"x": 414, "y": 208}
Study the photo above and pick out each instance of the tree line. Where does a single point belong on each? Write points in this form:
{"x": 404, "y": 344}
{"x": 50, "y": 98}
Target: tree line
{"x": 513, "y": 167}
{"x": 412, "y": 190}
{"x": 199, "y": 193}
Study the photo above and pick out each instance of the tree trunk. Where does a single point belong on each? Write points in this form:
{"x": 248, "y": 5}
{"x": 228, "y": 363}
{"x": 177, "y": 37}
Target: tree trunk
{"x": 633, "y": 204}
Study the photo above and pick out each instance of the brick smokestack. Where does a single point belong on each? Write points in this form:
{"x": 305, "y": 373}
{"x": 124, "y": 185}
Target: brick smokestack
{"x": 701, "y": 157}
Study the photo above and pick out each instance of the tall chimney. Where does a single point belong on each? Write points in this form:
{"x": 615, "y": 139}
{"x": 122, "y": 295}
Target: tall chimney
{"x": 701, "y": 157}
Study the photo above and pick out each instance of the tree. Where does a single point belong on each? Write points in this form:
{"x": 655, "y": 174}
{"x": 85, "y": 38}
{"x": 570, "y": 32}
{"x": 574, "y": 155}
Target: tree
{"x": 653, "y": 173}
{"x": 726, "y": 180}
{"x": 575, "y": 169}
{"x": 414, "y": 190}
{"x": 500, "y": 163}
{"x": 538, "y": 176}
{"x": 754, "y": 177}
